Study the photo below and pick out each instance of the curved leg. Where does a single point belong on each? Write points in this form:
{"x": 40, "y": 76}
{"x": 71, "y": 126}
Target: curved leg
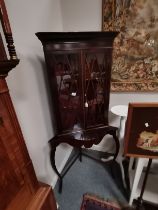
{"x": 117, "y": 143}
{"x": 52, "y": 159}
{"x": 80, "y": 154}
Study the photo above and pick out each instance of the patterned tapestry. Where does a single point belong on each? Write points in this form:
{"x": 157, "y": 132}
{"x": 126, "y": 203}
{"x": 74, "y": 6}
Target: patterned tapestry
{"x": 135, "y": 54}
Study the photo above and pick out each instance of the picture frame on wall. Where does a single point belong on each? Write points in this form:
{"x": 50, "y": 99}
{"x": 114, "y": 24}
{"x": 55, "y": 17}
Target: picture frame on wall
{"x": 141, "y": 132}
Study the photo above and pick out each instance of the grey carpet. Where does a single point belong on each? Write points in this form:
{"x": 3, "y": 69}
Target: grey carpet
{"x": 89, "y": 176}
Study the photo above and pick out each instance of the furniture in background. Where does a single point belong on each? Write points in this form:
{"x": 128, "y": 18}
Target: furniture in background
{"x": 141, "y": 140}
{"x": 141, "y": 163}
{"x": 121, "y": 111}
{"x": 19, "y": 188}
{"x": 140, "y": 204}
{"x": 79, "y": 73}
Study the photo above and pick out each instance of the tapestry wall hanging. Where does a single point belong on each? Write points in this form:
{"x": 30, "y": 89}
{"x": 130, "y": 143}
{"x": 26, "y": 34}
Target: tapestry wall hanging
{"x": 141, "y": 133}
{"x": 135, "y": 54}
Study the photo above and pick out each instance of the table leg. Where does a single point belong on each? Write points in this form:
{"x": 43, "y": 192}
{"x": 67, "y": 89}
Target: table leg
{"x": 120, "y": 155}
{"x": 137, "y": 175}
{"x": 52, "y": 159}
{"x": 120, "y": 126}
{"x": 80, "y": 154}
{"x": 140, "y": 199}
{"x": 55, "y": 142}
{"x": 117, "y": 143}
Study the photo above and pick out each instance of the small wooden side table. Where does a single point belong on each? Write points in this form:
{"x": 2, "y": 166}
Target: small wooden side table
{"x": 121, "y": 111}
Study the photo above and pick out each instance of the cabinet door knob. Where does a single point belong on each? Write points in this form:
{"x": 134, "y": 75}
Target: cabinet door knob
{"x": 1, "y": 121}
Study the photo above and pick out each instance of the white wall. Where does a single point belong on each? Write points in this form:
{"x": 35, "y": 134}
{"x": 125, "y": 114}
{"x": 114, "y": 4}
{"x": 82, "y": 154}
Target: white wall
{"x": 26, "y": 82}
{"x": 81, "y": 15}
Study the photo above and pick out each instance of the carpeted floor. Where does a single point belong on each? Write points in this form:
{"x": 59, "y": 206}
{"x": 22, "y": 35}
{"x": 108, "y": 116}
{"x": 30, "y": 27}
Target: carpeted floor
{"x": 89, "y": 176}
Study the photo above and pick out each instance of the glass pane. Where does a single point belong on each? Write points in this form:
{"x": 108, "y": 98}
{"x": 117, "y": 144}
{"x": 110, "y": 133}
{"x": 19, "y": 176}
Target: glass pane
{"x": 67, "y": 76}
{"x": 94, "y": 87}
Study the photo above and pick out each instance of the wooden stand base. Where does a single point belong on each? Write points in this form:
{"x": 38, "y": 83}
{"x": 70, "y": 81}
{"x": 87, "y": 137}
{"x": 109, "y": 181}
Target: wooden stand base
{"x": 43, "y": 199}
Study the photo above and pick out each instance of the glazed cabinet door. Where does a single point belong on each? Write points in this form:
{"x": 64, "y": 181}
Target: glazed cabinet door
{"x": 96, "y": 86}
{"x": 64, "y": 69}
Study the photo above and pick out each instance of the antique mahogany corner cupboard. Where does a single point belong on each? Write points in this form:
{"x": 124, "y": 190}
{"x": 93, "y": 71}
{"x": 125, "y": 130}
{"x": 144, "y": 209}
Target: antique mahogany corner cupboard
{"x": 79, "y": 73}
{"x": 19, "y": 188}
